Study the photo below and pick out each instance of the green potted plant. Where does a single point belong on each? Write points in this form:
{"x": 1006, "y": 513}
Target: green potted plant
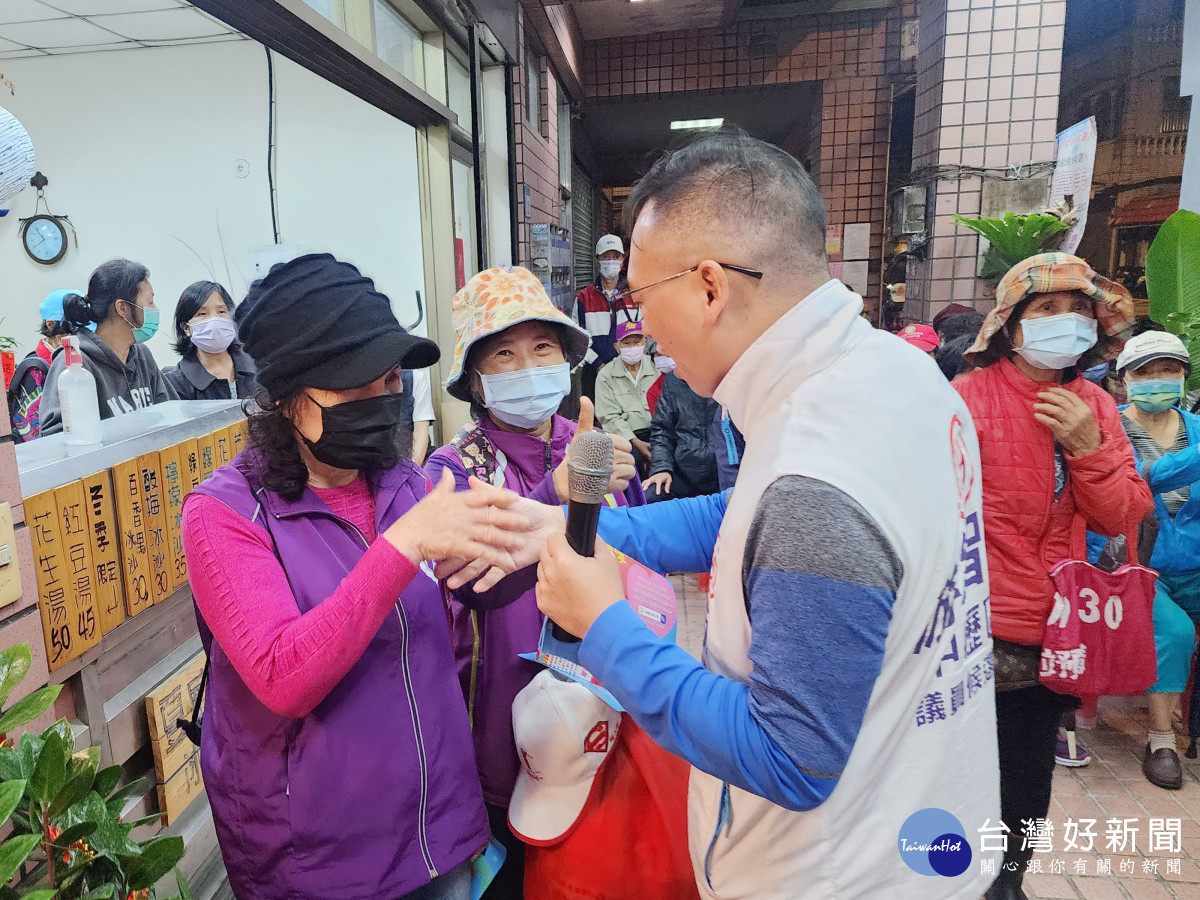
{"x": 8, "y": 357}
{"x": 1173, "y": 282}
{"x": 68, "y": 841}
{"x": 1012, "y": 238}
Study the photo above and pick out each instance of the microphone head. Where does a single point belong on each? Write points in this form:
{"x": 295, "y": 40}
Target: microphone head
{"x": 590, "y": 467}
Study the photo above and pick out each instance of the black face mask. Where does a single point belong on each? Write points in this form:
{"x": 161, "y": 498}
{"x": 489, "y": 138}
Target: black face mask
{"x": 360, "y": 434}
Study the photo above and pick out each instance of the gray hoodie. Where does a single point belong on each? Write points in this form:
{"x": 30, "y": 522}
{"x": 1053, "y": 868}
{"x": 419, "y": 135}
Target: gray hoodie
{"x": 121, "y": 386}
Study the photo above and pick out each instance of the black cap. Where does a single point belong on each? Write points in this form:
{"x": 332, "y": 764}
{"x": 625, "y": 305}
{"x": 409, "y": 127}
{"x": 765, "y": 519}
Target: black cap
{"x": 317, "y": 322}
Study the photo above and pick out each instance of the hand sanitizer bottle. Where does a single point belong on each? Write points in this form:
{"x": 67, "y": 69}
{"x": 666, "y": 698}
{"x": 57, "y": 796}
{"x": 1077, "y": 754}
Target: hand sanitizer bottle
{"x": 78, "y": 399}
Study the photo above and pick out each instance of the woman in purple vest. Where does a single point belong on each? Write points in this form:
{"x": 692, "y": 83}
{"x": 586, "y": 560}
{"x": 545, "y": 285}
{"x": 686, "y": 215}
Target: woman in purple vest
{"x": 336, "y": 749}
{"x": 512, "y": 362}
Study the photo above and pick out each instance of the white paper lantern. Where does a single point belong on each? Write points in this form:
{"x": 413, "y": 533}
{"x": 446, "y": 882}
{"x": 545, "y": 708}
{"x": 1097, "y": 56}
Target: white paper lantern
{"x": 16, "y": 157}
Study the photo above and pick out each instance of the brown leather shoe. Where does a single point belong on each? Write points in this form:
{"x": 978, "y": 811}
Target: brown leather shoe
{"x": 1162, "y": 768}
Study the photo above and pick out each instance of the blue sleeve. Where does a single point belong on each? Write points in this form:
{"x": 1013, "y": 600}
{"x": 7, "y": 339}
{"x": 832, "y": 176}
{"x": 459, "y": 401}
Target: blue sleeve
{"x": 1172, "y": 471}
{"x": 676, "y": 536}
{"x": 787, "y": 734}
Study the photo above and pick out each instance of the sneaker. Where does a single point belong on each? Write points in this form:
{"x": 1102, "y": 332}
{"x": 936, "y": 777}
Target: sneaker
{"x": 1068, "y": 752}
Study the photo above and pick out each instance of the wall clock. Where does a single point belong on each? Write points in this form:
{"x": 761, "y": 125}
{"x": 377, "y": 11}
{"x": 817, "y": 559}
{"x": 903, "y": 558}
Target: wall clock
{"x": 44, "y": 239}
{"x": 42, "y": 234}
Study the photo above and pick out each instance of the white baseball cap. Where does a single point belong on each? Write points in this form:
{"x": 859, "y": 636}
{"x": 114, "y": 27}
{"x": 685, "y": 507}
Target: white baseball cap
{"x": 609, "y": 242}
{"x": 1152, "y": 345}
{"x": 564, "y": 733}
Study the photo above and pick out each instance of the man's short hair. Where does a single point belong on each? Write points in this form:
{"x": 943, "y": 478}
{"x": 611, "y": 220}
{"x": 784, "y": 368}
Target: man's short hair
{"x": 740, "y": 183}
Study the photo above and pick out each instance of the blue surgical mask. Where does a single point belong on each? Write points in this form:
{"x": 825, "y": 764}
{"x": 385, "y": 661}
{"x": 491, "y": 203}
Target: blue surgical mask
{"x": 1155, "y": 395}
{"x": 1056, "y": 342}
{"x": 528, "y": 397}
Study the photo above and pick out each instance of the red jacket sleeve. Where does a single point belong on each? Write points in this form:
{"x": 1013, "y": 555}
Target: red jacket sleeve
{"x": 1109, "y": 493}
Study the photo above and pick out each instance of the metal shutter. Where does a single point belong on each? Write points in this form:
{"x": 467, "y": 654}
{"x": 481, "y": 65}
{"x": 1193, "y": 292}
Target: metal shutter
{"x": 583, "y": 221}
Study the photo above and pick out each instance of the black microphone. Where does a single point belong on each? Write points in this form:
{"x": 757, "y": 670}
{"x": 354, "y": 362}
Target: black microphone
{"x": 589, "y": 470}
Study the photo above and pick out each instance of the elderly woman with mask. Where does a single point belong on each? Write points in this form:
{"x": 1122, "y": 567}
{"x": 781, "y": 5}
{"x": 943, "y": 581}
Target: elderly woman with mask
{"x": 1166, "y": 444}
{"x": 1053, "y": 452}
{"x": 512, "y": 362}
{"x": 336, "y": 746}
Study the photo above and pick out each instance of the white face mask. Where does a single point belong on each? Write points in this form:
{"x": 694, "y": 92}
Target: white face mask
{"x": 528, "y": 397}
{"x": 214, "y": 335}
{"x": 1056, "y": 342}
{"x": 610, "y": 268}
{"x": 631, "y": 356}
{"x": 664, "y": 363}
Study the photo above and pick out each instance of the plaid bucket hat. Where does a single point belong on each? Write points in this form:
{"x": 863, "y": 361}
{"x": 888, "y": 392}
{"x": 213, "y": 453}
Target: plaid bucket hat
{"x": 497, "y": 299}
{"x": 1050, "y": 272}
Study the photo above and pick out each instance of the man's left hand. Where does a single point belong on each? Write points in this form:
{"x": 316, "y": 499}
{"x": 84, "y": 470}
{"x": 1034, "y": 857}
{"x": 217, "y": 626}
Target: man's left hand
{"x": 1069, "y": 419}
{"x": 574, "y": 590}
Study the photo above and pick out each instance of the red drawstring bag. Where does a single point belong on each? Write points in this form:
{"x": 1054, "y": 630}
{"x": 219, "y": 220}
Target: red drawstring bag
{"x": 1100, "y": 635}
{"x": 630, "y": 842}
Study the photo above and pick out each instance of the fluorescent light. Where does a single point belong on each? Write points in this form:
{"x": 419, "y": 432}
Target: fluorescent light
{"x": 694, "y": 124}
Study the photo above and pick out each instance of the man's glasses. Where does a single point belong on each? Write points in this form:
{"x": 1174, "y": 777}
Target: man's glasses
{"x": 752, "y": 273}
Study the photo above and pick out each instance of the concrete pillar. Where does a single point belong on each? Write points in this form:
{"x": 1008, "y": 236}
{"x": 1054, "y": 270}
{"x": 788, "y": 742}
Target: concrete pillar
{"x": 987, "y": 100}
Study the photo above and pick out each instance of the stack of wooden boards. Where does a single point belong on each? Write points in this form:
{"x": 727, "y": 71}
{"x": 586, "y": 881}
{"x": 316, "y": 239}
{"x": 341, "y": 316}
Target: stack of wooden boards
{"x": 109, "y": 546}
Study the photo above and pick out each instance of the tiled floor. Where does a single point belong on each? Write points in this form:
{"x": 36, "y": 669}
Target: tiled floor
{"x": 1111, "y": 787}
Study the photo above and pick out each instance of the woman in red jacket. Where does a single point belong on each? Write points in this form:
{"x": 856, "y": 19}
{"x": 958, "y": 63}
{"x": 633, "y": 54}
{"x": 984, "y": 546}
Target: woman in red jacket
{"x": 1053, "y": 452}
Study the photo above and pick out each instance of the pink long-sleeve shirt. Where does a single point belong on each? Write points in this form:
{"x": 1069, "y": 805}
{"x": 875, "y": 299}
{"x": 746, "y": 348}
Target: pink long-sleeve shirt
{"x": 289, "y": 660}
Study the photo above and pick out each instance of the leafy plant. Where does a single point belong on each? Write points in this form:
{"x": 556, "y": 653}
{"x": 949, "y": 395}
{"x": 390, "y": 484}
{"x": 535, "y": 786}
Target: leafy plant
{"x": 1014, "y": 238}
{"x": 1173, "y": 282}
{"x": 7, "y": 343}
{"x": 67, "y": 834}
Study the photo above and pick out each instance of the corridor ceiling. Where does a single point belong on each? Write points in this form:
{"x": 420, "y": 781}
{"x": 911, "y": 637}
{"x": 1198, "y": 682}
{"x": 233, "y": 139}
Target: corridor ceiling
{"x": 600, "y": 19}
{"x": 50, "y": 27}
{"x": 628, "y": 135}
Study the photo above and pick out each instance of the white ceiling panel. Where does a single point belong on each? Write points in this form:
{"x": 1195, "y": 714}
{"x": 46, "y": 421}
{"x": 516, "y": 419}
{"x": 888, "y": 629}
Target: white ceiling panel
{"x": 109, "y": 7}
{"x": 57, "y": 33}
{"x": 170, "y": 24}
{"x": 25, "y": 11}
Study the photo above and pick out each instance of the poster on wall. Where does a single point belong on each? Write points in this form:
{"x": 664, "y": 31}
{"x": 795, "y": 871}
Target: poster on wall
{"x": 833, "y": 240}
{"x": 1074, "y": 160}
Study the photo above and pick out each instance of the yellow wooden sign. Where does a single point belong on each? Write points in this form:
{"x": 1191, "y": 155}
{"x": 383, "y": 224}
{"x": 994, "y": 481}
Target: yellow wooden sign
{"x": 181, "y": 789}
{"x": 173, "y": 699}
{"x": 135, "y": 549}
{"x": 223, "y": 442}
{"x": 157, "y": 542}
{"x": 208, "y": 454}
{"x": 190, "y": 469}
{"x": 241, "y": 434}
{"x": 82, "y": 603}
{"x": 172, "y": 490}
{"x": 41, "y": 517}
{"x": 105, "y": 541}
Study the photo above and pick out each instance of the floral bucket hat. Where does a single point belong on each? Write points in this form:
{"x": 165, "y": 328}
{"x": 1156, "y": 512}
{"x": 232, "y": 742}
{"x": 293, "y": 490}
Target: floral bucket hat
{"x": 1050, "y": 272}
{"x": 497, "y": 299}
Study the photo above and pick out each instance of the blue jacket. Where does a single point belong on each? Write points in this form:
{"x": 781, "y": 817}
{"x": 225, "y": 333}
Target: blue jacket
{"x": 1177, "y": 549}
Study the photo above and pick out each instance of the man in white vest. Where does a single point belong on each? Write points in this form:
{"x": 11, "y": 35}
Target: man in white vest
{"x": 842, "y": 725}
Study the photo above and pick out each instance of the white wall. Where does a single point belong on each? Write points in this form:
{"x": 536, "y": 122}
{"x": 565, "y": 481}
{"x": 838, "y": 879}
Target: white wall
{"x": 496, "y": 173}
{"x": 1190, "y": 85}
{"x": 142, "y": 146}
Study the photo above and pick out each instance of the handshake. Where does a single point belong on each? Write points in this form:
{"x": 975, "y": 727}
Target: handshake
{"x": 484, "y": 533}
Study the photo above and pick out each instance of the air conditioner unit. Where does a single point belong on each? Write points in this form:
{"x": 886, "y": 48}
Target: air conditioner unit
{"x": 908, "y": 210}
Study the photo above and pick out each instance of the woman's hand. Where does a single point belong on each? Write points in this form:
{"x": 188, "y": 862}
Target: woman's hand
{"x": 477, "y": 524}
{"x": 543, "y": 521}
{"x": 623, "y": 467}
{"x": 574, "y": 590}
{"x": 1069, "y": 419}
{"x": 661, "y": 481}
